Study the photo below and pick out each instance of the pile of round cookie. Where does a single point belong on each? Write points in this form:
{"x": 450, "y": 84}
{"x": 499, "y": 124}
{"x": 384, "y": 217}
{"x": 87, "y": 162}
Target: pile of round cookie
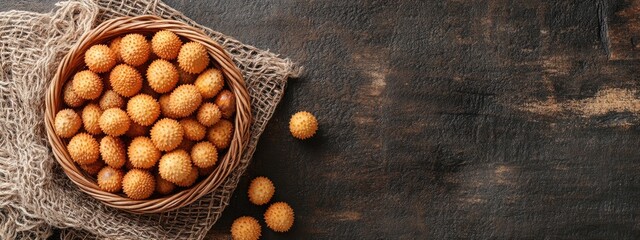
{"x": 146, "y": 117}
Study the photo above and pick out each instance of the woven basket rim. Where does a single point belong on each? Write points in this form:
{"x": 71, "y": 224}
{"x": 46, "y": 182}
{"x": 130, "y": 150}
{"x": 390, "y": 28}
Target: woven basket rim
{"x": 143, "y": 24}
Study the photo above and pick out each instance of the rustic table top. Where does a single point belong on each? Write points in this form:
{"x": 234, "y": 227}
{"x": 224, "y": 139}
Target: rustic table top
{"x": 446, "y": 119}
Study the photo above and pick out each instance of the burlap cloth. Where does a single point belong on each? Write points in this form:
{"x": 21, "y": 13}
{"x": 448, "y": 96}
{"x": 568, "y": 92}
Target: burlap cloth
{"x": 35, "y": 195}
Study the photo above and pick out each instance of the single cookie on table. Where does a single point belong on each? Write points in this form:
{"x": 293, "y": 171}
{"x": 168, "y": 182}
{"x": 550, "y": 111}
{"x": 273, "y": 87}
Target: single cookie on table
{"x": 303, "y": 125}
{"x": 245, "y": 228}
{"x": 279, "y": 217}
{"x": 261, "y": 190}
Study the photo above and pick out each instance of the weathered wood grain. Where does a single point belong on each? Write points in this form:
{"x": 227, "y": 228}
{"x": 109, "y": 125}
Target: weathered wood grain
{"x": 621, "y": 28}
{"x": 448, "y": 119}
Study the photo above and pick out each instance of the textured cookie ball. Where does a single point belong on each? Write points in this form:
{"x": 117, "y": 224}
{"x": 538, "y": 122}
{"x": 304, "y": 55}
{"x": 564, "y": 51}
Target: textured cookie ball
{"x": 190, "y": 179}
{"x": 220, "y": 134}
{"x": 67, "y": 123}
{"x": 115, "y": 48}
{"x": 226, "y": 101}
{"x": 87, "y": 84}
{"x": 167, "y": 134}
{"x": 70, "y": 97}
{"x": 184, "y": 100}
{"x": 208, "y": 114}
{"x": 143, "y": 153}
{"x": 204, "y": 154}
{"x": 303, "y": 125}
{"x": 83, "y": 148}
{"x": 91, "y": 118}
{"x": 162, "y": 76}
{"x": 166, "y": 44}
{"x": 134, "y": 49}
{"x": 163, "y": 186}
{"x": 125, "y": 80}
{"x": 261, "y": 190}
{"x": 165, "y": 108}
{"x": 245, "y": 228}
{"x": 136, "y": 130}
{"x": 110, "y": 179}
{"x": 99, "y": 58}
{"x": 175, "y": 166}
{"x": 111, "y": 99}
{"x": 114, "y": 122}
{"x": 193, "y": 130}
{"x": 279, "y": 217}
{"x": 143, "y": 109}
{"x": 138, "y": 184}
{"x": 193, "y": 57}
{"x": 113, "y": 151}
{"x": 93, "y": 168}
{"x": 210, "y": 82}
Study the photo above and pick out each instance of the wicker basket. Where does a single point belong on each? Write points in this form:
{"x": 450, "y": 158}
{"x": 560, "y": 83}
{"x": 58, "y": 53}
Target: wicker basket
{"x": 73, "y": 62}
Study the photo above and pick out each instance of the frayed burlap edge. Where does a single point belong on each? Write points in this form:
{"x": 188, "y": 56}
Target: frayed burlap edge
{"x": 35, "y": 196}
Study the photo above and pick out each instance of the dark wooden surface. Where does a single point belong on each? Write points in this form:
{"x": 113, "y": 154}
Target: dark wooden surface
{"x": 447, "y": 119}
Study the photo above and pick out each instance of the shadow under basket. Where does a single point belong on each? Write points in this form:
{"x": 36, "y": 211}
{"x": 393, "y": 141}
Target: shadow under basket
{"x": 148, "y": 24}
